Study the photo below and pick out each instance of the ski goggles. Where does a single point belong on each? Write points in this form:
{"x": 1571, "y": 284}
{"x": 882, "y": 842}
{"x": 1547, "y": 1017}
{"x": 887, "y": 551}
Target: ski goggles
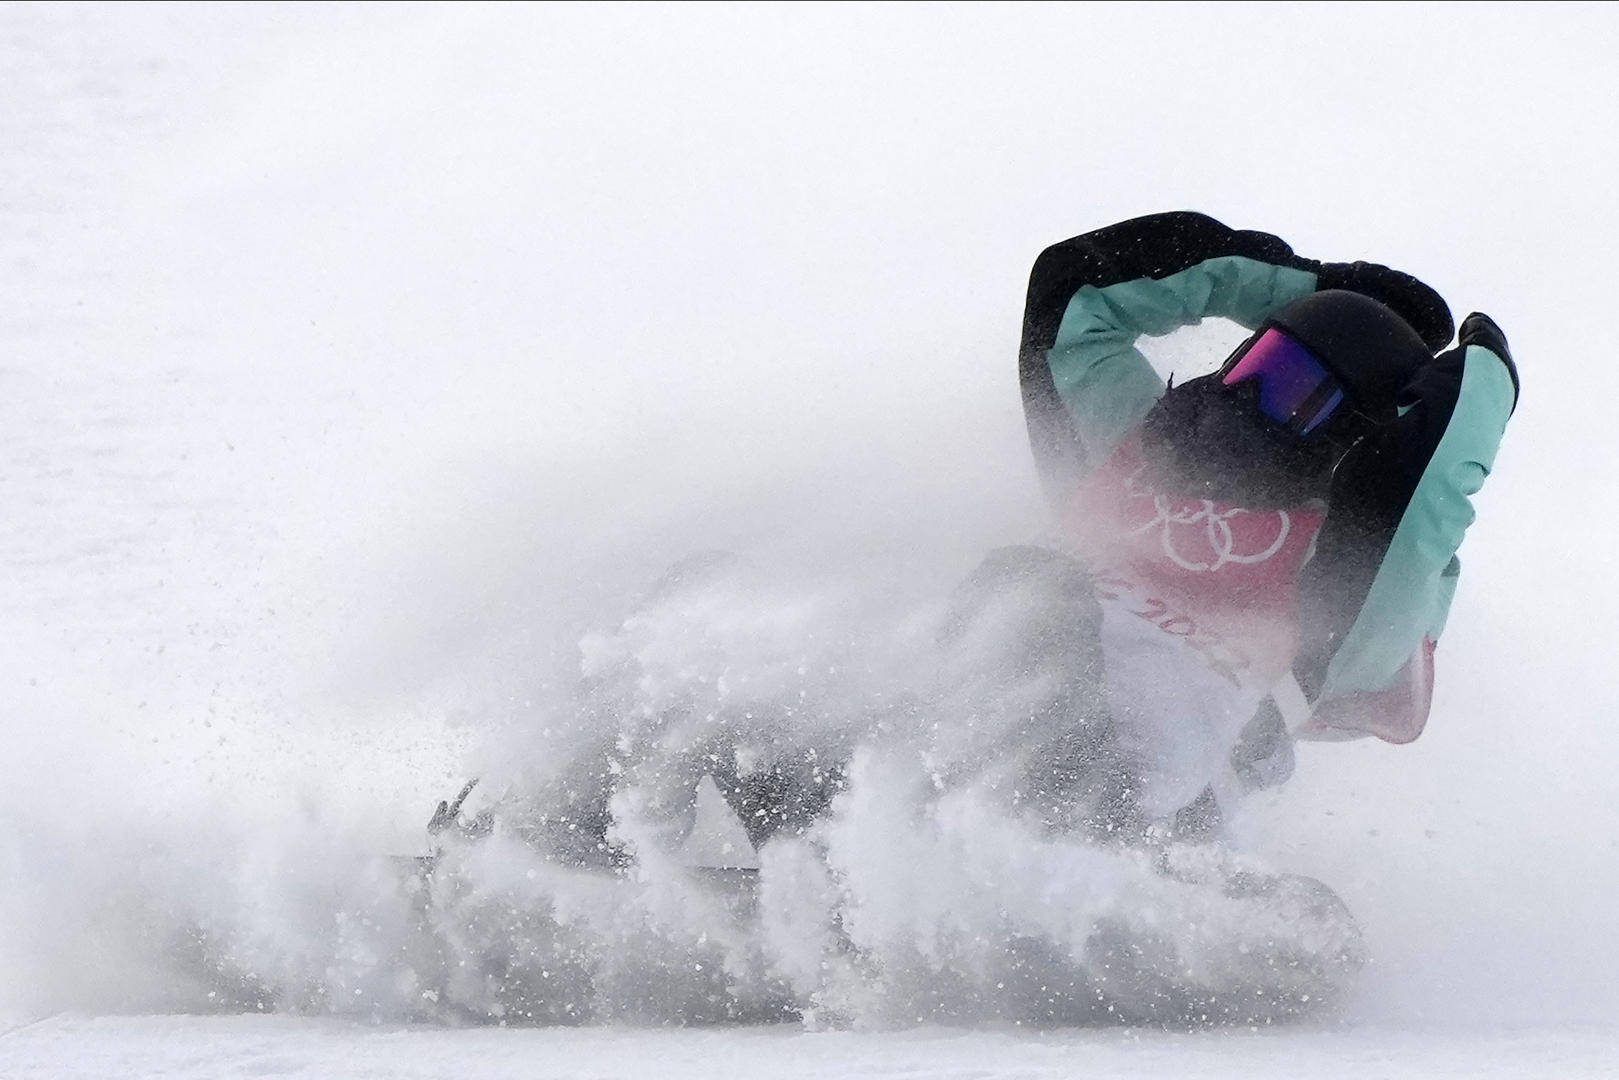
{"x": 1295, "y": 389}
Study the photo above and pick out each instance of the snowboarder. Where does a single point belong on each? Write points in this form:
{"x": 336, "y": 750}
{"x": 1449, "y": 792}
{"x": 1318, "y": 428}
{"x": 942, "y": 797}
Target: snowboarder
{"x": 1256, "y": 555}
{"x": 1272, "y": 547}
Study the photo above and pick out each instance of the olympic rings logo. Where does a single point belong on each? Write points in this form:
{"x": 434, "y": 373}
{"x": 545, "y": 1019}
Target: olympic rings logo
{"x": 1215, "y": 527}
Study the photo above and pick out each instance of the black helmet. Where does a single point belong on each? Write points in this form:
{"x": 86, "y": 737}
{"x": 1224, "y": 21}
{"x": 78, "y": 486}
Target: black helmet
{"x": 1370, "y": 350}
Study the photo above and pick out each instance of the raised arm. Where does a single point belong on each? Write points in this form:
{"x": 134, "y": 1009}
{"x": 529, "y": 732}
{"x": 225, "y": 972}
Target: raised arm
{"x": 1375, "y": 597}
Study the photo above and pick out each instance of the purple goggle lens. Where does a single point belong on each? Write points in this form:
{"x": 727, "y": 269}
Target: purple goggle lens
{"x": 1295, "y": 389}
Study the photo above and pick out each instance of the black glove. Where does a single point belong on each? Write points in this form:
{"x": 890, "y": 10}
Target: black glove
{"x": 1479, "y": 329}
{"x": 1413, "y": 301}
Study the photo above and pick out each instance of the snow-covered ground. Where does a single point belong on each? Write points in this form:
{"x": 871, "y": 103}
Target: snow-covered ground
{"x": 352, "y": 359}
{"x": 176, "y": 1046}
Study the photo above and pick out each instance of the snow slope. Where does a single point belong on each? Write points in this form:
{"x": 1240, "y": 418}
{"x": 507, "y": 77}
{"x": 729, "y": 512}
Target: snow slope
{"x": 354, "y": 360}
{"x": 185, "y": 1047}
